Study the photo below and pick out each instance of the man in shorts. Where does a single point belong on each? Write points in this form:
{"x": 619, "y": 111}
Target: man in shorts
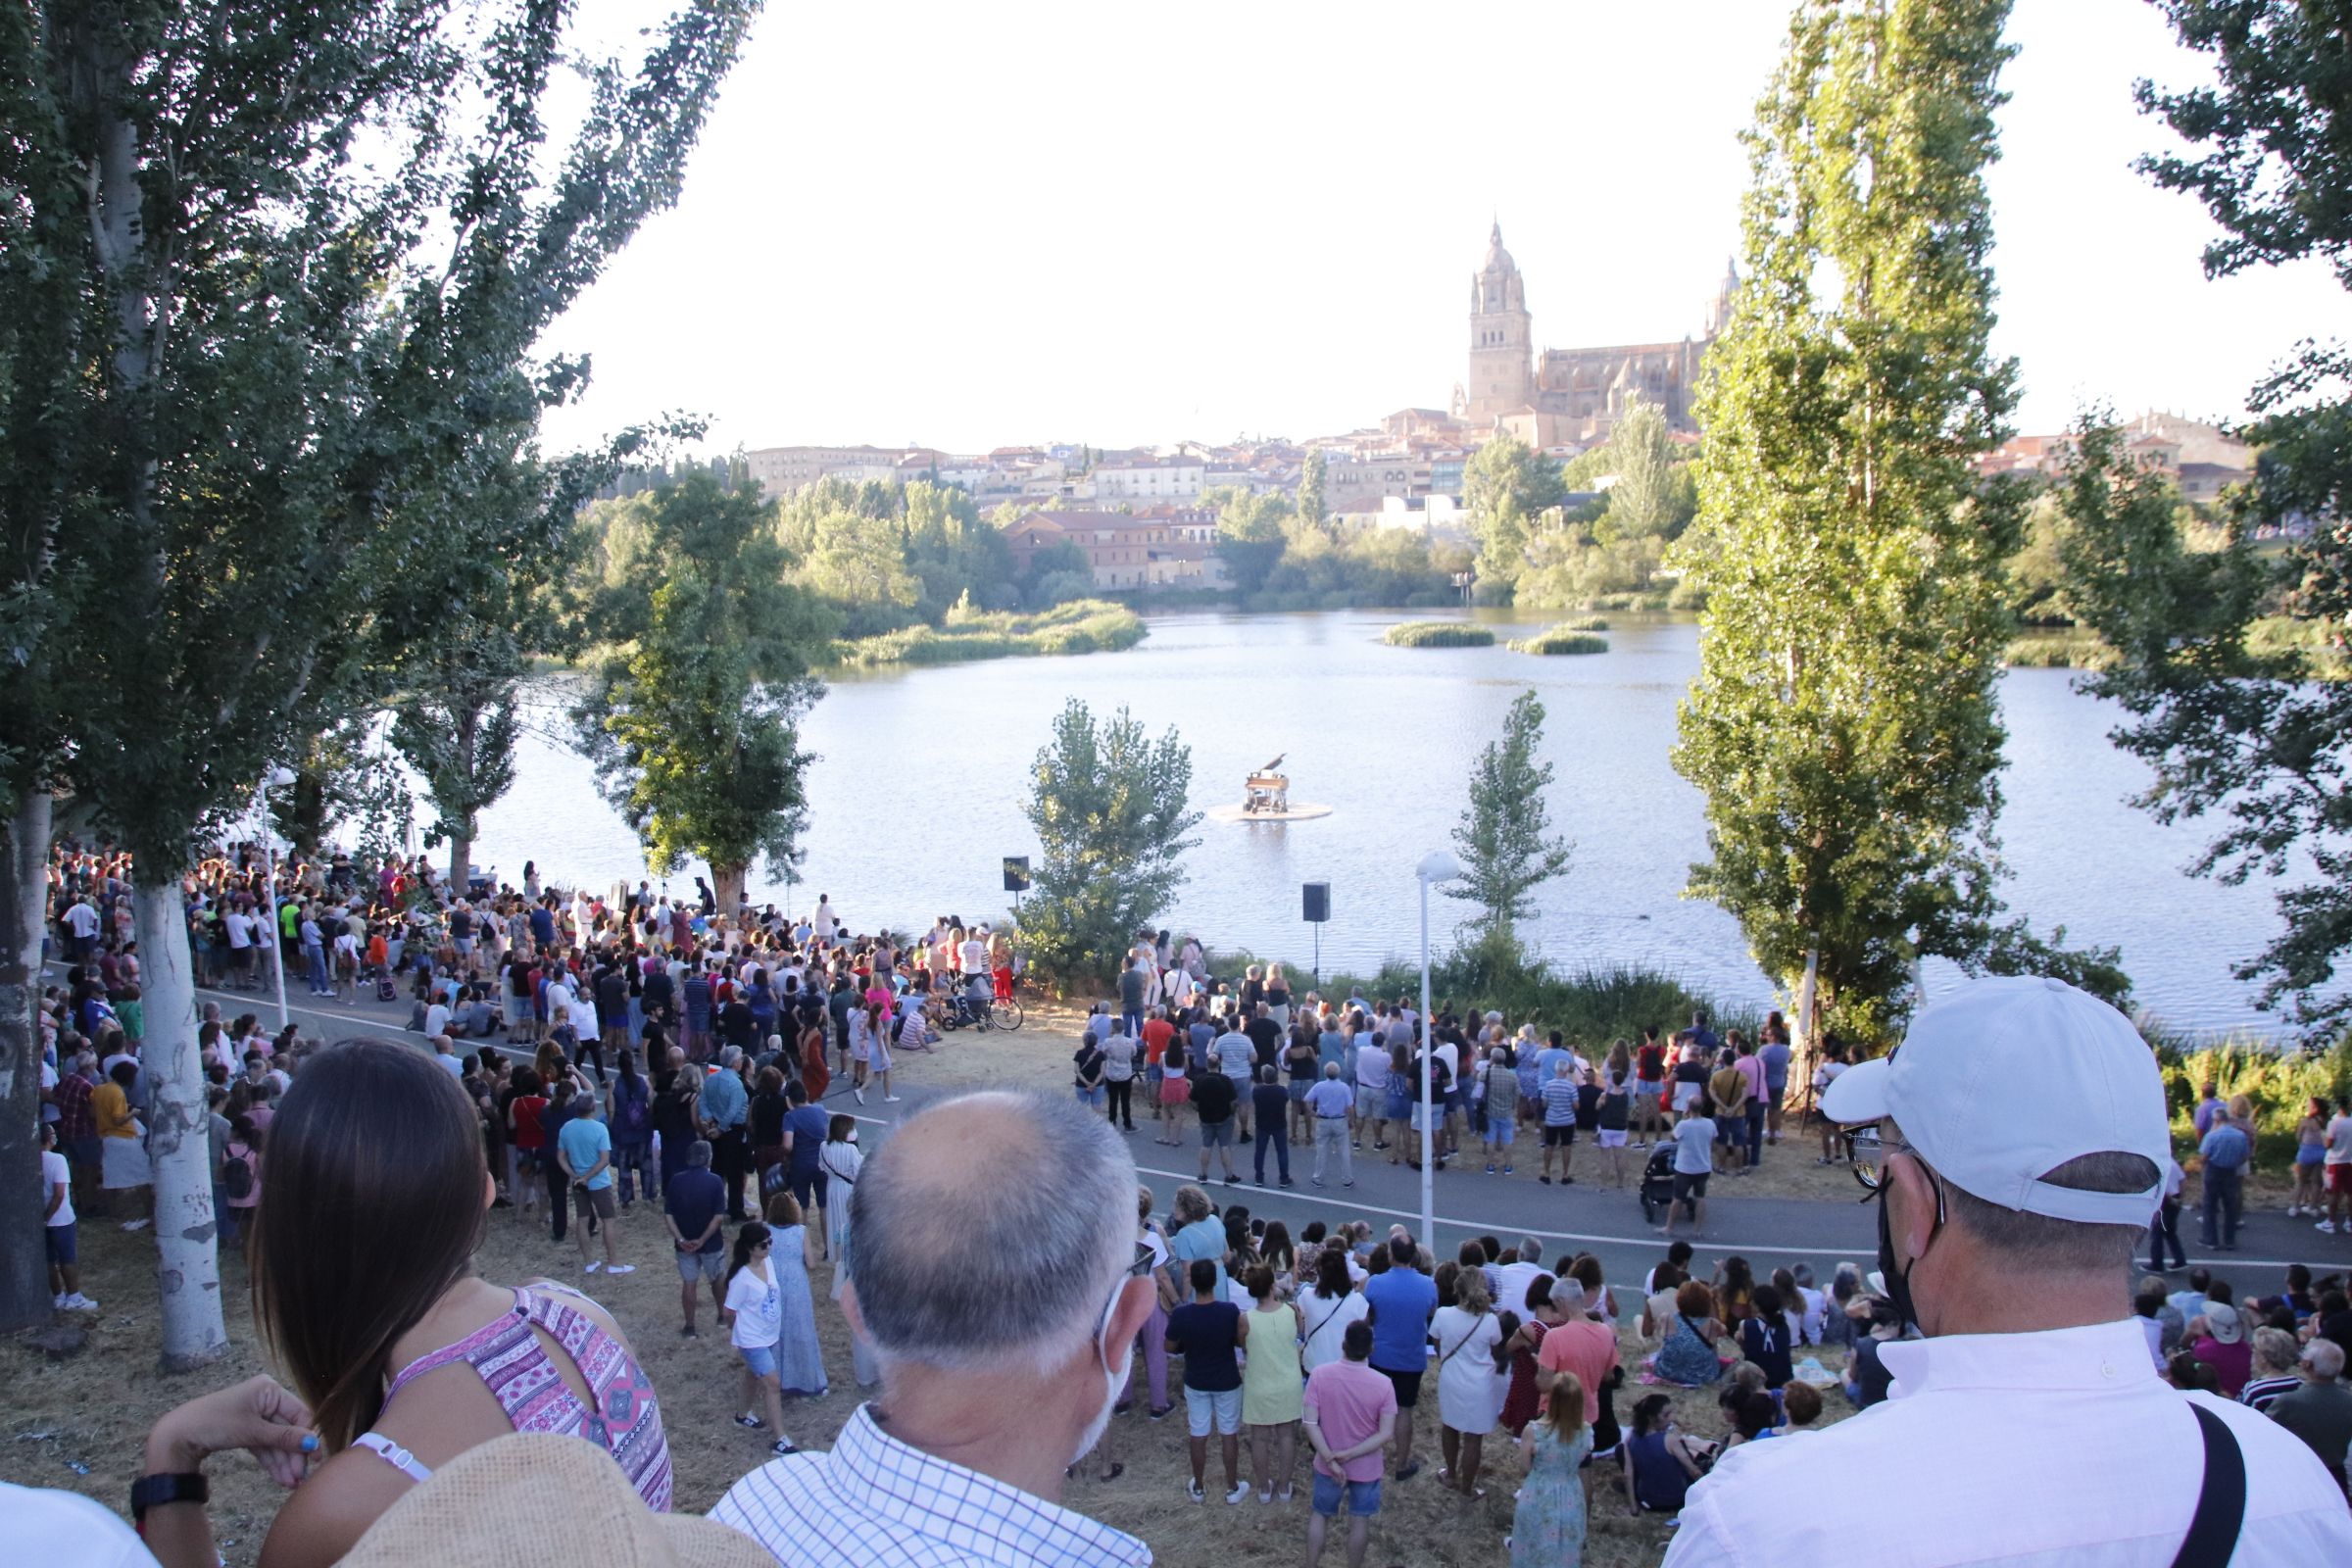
{"x": 1207, "y": 1331}
{"x": 1214, "y": 1097}
{"x": 695, "y": 1209}
{"x": 1351, "y": 1410}
{"x": 584, "y": 1149}
{"x": 1371, "y": 1089}
{"x": 1693, "y": 1163}
{"x": 1649, "y": 1085}
{"x": 1502, "y": 1108}
{"x": 1401, "y": 1301}
{"x": 1558, "y": 1094}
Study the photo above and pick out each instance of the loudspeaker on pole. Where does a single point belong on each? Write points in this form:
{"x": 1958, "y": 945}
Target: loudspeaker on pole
{"x": 1317, "y": 898}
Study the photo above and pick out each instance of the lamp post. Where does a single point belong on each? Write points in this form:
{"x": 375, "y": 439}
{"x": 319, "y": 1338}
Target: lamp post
{"x": 1435, "y": 866}
{"x": 277, "y": 779}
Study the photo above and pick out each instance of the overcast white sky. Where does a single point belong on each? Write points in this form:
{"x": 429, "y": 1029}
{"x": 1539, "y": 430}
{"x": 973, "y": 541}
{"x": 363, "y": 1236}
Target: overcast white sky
{"x": 969, "y": 226}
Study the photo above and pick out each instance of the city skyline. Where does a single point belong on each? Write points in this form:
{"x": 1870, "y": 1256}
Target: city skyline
{"x": 1067, "y": 231}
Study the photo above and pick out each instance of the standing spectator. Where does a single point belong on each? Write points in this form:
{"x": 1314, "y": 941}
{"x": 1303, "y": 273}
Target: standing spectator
{"x": 1465, "y": 1337}
{"x": 1271, "y": 1108}
{"x": 1694, "y": 1163}
{"x": 124, "y": 1167}
{"x": 725, "y": 1111}
{"x": 2226, "y": 1148}
{"x": 1090, "y": 1063}
{"x": 1135, "y": 983}
{"x": 1329, "y": 1307}
{"x": 57, "y": 1230}
{"x": 1350, "y": 1410}
{"x": 694, "y": 1206}
{"x": 677, "y": 1087}
{"x": 1119, "y": 1078}
{"x": 800, "y": 1360}
{"x": 1207, "y": 1331}
{"x": 1328, "y": 1102}
{"x": 1213, "y": 1101}
{"x": 807, "y": 1127}
{"x": 1547, "y": 1525}
{"x": 2338, "y": 1165}
{"x": 1401, "y": 1301}
{"x": 632, "y": 1128}
{"x": 2164, "y": 1226}
{"x": 1270, "y": 1409}
{"x": 1236, "y": 1058}
{"x": 754, "y": 1315}
{"x": 584, "y": 1149}
{"x": 1577, "y": 1346}
{"x": 2319, "y": 1413}
{"x": 987, "y": 1410}
{"x": 1775, "y": 1054}
{"x": 1559, "y": 1097}
{"x": 2209, "y": 1108}
{"x": 2006, "y": 1240}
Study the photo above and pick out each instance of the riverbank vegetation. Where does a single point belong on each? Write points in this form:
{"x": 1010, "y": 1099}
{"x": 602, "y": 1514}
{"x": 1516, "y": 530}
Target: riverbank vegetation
{"x": 1562, "y": 639}
{"x": 1080, "y": 626}
{"x": 1437, "y": 634}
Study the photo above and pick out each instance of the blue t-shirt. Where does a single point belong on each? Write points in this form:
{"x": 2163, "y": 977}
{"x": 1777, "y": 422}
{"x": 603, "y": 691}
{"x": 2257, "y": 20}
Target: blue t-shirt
{"x": 1401, "y": 1301}
{"x": 808, "y": 1125}
{"x": 694, "y": 1199}
{"x": 584, "y": 1142}
{"x": 1203, "y": 1333}
{"x": 1203, "y": 1238}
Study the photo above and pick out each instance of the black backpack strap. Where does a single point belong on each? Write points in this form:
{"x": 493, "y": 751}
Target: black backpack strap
{"x": 2221, "y": 1514}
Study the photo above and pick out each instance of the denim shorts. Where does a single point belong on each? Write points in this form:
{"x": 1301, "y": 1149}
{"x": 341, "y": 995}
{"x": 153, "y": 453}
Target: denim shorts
{"x": 761, "y": 1358}
{"x": 1363, "y": 1496}
{"x": 58, "y": 1242}
{"x": 1216, "y": 1133}
{"x": 703, "y": 1266}
{"x": 1222, "y": 1408}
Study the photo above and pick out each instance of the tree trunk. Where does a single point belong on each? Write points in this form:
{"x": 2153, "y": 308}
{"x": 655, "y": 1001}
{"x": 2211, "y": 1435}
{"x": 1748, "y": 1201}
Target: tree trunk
{"x": 726, "y": 881}
{"x": 461, "y": 863}
{"x": 188, "y": 1264}
{"x": 468, "y": 715}
{"x": 24, "y": 1270}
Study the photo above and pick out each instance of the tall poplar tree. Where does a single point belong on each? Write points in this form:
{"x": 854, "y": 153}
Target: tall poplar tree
{"x": 293, "y": 347}
{"x": 1843, "y": 726}
{"x": 1507, "y": 847}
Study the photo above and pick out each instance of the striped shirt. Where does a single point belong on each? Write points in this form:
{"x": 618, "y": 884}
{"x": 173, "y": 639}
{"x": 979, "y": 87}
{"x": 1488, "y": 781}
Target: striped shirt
{"x": 1559, "y": 1101}
{"x": 875, "y": 1502}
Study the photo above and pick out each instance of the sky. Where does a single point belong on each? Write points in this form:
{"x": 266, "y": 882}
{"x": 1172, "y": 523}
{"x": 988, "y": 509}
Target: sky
{"x": 972, "y": 226}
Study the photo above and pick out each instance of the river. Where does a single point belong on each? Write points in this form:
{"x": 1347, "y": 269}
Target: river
{"x": 922, "y": 774}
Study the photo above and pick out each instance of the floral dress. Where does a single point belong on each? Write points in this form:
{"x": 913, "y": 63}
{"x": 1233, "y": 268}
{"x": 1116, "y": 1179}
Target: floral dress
{"x": 1547, "y": 1527}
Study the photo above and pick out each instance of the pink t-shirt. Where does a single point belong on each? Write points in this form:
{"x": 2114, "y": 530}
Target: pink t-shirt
{"x": 1750, "y": 1068}
{"x": 1347, "y": 1399}
{"x": 1584, "y": 1347}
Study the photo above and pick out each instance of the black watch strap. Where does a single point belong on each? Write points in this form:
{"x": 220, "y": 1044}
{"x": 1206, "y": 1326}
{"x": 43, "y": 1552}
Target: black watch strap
{"x": 153, "y": 1491}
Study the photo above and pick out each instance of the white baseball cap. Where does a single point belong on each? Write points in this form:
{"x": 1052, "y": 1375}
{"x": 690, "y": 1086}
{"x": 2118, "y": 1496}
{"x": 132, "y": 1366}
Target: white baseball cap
{"x": 2005, "y": 1080}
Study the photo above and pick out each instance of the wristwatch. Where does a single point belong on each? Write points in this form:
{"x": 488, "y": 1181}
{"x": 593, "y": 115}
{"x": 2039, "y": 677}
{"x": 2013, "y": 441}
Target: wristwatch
{"x": 153, "y": 1491}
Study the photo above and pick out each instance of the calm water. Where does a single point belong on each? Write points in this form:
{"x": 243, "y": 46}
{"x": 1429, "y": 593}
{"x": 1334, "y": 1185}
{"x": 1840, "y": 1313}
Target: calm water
{"x": 918, "y": 789}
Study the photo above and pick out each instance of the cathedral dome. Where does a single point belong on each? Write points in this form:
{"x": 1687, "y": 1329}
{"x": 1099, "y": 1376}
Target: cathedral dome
{"x": 1498, "y": 260}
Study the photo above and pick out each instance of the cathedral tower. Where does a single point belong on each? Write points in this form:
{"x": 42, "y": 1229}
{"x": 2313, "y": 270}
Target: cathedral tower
{"x": 1502, "y": 336}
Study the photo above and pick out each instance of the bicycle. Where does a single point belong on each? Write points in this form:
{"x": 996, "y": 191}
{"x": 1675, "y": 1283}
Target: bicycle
{"x": 981, "y": 1014}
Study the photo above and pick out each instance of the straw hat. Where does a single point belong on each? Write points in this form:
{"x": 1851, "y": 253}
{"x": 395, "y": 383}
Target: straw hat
{"x": 505, "y": 1501}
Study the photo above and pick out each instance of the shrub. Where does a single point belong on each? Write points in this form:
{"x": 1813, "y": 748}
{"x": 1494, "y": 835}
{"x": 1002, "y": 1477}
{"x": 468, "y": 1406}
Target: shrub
{"x": 1079, "y": 626}
{"x": 2063, "y": 651}
{"x": 2278, "y": 1080}
{"x": 1437, "y": 634}
{"x": 1561, "y": 639}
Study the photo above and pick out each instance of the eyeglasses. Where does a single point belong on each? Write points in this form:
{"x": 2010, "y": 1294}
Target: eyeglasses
{"x": 1867, "y": 1150}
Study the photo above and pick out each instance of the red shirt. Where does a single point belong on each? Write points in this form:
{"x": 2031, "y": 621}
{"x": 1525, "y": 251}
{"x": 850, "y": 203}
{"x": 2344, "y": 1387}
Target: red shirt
{"x": 75, "y": 1119}
{"x": 1156, "y": 1038}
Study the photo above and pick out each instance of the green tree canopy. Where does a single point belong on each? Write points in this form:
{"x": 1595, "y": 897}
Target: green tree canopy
{"x": 1504, "y": 838}
{"x": 1843, "y": 727}
{"x": 1109, "y": 807}
{"x": 695, "y": 696}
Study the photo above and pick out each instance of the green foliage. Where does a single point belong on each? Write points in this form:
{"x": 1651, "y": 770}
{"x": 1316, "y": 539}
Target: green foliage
{"x": 1562, "y": 639}
{"x": 1504, "y": 838}
{"x": 1252, "y": 534}
{"x": 2280, "y": 1082}
{"x": 1591, "y": 1008}
{"x": 1079, "y": 626}
{"x": 1363, "y": 568}
{"x": 2241, "y": 724}
{"x": 1436, "y": 634}
{"x": 2059, "y": 650}
{"x": 1843, "y": 727}
{"x": 1506, "y": 487}
{"x": 1109, "y": 807}
{"x": 1311, "y": 510}
{"x": 695, "y": 698}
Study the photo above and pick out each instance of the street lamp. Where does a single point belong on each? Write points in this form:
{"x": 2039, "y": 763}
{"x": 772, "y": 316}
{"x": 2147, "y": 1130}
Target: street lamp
{"x": 1435, "y": 866}
{"x": 277, "y": 779}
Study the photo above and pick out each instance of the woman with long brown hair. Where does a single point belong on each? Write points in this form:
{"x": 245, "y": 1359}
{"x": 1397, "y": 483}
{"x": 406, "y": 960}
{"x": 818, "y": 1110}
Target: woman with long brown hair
{"x": 372, "y": 1202}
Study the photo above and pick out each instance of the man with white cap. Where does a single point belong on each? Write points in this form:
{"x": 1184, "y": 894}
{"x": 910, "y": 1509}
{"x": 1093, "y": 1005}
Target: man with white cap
{"x": 2015, "y": 1141}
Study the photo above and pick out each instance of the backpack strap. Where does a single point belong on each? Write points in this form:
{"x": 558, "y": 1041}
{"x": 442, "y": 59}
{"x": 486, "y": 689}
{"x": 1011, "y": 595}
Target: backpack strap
{"x": 2213, "y": 1529}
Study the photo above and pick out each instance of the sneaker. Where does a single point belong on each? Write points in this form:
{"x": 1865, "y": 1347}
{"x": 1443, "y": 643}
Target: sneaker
{"x": 57, "y": 1302}
{"x": 2326, "y": 1225}
{"x": 2294, "y": 1212}
{"x": 1287, "y": 1182}
{"x": 1284, "y": 1496}
{"x": 1240, "y": 1491}
{"x": 1350, "y": 1182}
{"x": 890, "y": 1100}
{"x": 620, "y": 1268}
{"x": 782, "y": 1446}
{"x": 136, "y": 1224}
{"x": 1161, "y": 1414}
{"x": 861, "y": 1093}
{"x": 1507, "y": 1170}
{"x": 689, "y": 1331}
{"x": 750, "y": 1422}
{"x": 1317, "y": 1180}
{"x": 1192, "y": 1489}
{"x": 1546, "y": 1180}
{"x": 1266, "y": 1497}
{"x": 1490, "y": 1167}
{"x": 591, "y": 1268}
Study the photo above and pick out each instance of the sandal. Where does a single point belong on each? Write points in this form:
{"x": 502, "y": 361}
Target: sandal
{"x": 1113, "y": 1473}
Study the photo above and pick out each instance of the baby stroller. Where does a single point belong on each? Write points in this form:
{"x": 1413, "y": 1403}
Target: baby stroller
{"x": 1657, "y": 1184}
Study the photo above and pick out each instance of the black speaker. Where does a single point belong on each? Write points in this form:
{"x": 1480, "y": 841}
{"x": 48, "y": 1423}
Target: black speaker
{"x": 1016, "y": 873}
{"x": 1318, "y": 902}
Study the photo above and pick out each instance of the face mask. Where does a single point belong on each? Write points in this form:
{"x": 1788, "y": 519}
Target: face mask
{"x": 1898, "y": 1281}
{"x": 1112, "y": 1383}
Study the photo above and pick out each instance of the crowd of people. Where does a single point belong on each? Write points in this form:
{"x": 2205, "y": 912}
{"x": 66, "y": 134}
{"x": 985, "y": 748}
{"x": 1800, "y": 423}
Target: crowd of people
{"x": 687, "y": 1065}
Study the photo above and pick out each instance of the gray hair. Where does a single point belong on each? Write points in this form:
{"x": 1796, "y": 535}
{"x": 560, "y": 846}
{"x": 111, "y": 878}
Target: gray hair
{"x": 730, "y": 1055}
{"x": 1568, "y": 1294}
{"x": 990, "y": 1229}
{"x": 698, "y": 1153}
{"x": 1531, "y": 1251}
{"x": 583, "y": 1103}
{"x": 2325, "y": 1358}
{"x": 2275, "y": 1348}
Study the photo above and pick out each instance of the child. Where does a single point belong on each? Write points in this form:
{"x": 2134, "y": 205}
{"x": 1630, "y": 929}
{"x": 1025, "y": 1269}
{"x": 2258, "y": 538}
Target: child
{"x": 754, "y": 1315}
{"x": 1547, "y": 1527}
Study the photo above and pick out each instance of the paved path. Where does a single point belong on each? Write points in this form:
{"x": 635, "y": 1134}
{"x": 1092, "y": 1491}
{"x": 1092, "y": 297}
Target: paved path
{"x": 1769, "y": 1232}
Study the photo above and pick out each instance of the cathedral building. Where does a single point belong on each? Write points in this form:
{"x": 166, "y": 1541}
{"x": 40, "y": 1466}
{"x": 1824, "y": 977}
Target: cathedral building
{"x": 1569, "y": 397}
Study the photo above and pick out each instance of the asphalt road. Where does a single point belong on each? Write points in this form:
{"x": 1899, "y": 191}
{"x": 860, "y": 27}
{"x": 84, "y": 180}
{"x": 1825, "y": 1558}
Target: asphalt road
{"x": 1587, "y": 1217}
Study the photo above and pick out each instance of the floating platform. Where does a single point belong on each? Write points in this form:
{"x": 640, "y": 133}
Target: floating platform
{"x": 1293, "y": 812}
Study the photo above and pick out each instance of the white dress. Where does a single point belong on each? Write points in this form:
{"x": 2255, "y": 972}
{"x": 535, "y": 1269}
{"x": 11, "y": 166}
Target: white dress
{"x": 1466, "y": 1375}
{"x": 1326, "y": 1324}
